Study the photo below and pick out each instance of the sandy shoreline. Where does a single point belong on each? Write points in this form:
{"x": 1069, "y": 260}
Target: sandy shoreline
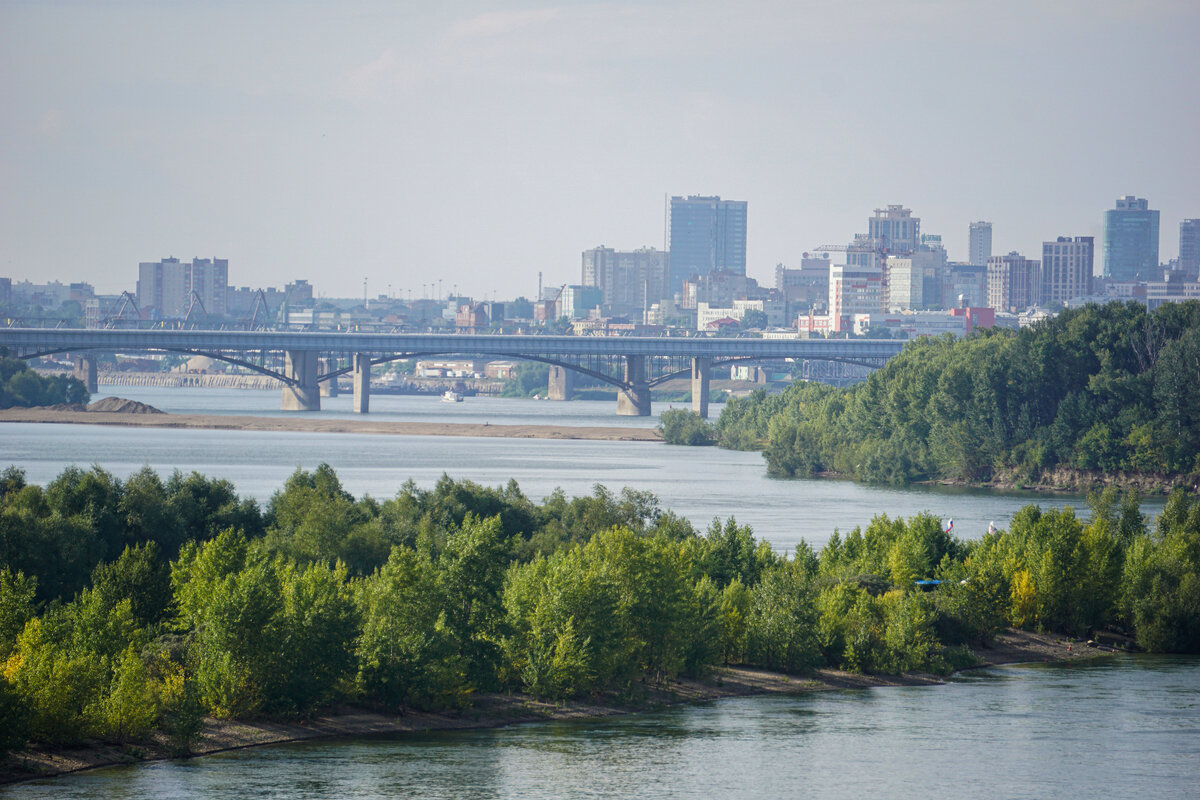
{"x": 312, "y": 424}
{"x": 499, "y": 710}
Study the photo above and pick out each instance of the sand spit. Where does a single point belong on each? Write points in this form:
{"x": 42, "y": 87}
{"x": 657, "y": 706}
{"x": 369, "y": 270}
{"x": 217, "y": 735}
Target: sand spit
{"x": 313, "y": 424}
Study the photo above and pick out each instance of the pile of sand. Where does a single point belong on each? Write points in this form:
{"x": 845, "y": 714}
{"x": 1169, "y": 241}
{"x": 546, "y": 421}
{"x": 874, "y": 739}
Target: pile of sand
{"x": 119, "y": 405}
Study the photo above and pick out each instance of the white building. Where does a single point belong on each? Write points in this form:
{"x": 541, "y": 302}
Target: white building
{"x": 854, "y": 290}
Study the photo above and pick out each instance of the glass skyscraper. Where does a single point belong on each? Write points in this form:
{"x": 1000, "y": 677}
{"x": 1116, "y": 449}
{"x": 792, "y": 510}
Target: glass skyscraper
{"x": 706, "y": 234}
{"x": 1131, "y": 241}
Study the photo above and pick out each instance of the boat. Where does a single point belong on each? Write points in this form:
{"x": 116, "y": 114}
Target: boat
{"x": 451, "y": 396}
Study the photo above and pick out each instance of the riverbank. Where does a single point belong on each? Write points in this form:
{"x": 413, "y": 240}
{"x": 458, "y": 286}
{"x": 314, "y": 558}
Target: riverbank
{"x": 311, "y": 424}
{"x": 498, "y": 710}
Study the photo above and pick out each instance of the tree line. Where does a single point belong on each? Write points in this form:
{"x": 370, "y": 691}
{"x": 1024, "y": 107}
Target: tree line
{"x": 140, "y": 605}
{"x": 21, "y": 386}
{"x": 1107, "y": 388}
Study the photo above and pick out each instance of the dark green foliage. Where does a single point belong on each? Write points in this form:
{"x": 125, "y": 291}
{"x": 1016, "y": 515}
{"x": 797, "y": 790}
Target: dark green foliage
{"x": 1105, "y": 388}
{"x": 21, "y": 386}
{"x": 14, "y": 718}
{"x": 679, "y": 426}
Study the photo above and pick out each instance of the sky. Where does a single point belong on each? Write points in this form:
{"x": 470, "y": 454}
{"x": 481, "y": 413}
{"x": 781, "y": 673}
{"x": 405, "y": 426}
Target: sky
{"x": 478, "y": 143}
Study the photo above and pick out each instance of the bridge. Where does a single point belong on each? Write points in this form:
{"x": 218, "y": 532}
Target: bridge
{"x": 302, "y": 361}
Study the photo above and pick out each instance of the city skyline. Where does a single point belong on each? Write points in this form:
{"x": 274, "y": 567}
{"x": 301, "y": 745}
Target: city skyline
{"x": 484, "y": 144}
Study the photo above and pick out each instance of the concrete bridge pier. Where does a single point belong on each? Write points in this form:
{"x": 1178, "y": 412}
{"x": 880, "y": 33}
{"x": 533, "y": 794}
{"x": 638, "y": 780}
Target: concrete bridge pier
{"x": 562, "y": 383}
{"x": 634, "y": 401}
{"x": 701, "y": 375}
{"x": 362, "y": 383}
{"x": 303, "y": 395}
{"x": 329, "y": 387}
{"x": 85, "y": 370}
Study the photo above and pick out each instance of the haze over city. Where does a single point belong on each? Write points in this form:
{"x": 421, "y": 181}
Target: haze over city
{"x": 482, "y": 143}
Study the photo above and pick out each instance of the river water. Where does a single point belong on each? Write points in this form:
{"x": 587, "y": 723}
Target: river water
{"x": 698, "y": 483}
{"x": 1111, "y": 728}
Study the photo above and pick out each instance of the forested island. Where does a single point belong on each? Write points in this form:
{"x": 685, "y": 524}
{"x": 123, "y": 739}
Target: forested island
{"x": 1104, "y": 394}
{"x": 138, "y": 607}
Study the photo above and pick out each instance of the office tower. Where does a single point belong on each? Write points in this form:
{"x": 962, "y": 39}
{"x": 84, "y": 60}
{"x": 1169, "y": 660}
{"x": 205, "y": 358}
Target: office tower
{"x": 1189, "y": 248}
{"x": 1066, "y": 269}
{"x": 915, "y": 280}
{"x": 706, "y": 234}
{"x": 895, "y": 229}
{"x": 629, "y": 281}
{"x": 1013, "y": 282}
{"x": 1131, "y": 241}
{"x": 980, "y": 246}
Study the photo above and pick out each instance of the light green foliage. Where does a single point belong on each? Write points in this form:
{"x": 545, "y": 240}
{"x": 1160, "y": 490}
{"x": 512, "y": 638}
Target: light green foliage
{"x": 130, "y": 708}
{"x": 680, "y": 426}
{"x": 470, "y": 577}
{"x": 628, "y": 601}
{"x": 734, "y": 617}
{"x": 781, "y": 631}
{"x": 406, "y": 654}
{"x": 728, "y": 552}
{"x": 1161, "y": 587}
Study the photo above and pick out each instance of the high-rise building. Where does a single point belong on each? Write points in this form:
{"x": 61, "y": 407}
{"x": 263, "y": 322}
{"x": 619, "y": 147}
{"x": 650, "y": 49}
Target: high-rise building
{"x": 1189, "y": 248}
{"x": 164, "y": 288}
{"x": 209, "y": 278}
{"x": 1131, "y": 241}
{"x": 1013, "y": 282}
{"x": 915, "y": 280}
{"x": 895, "y": 229}
{"x": 629, "y": 281}
{"x": 1066, "y": 269}
{"x": 980, "y": 245}
{"x": 853, "y": 290}
{"x": 706, "y": 234}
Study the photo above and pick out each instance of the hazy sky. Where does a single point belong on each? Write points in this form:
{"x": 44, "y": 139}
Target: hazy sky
{"x": 482, "y": 142}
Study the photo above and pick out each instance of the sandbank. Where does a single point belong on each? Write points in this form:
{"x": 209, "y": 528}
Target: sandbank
{"x": 303, "y": 423}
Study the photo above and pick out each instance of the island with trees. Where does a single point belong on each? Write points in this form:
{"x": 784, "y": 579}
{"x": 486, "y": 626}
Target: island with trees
{"x": 132, "y": 609}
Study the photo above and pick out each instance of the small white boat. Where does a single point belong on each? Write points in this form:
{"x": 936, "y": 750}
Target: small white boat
{"x": 451, "y": 396}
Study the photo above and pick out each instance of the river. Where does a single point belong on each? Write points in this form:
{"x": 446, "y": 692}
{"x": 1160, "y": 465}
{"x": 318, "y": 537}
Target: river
{"x": 698, "y": 483}
{"x": 1108, "y": 728}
